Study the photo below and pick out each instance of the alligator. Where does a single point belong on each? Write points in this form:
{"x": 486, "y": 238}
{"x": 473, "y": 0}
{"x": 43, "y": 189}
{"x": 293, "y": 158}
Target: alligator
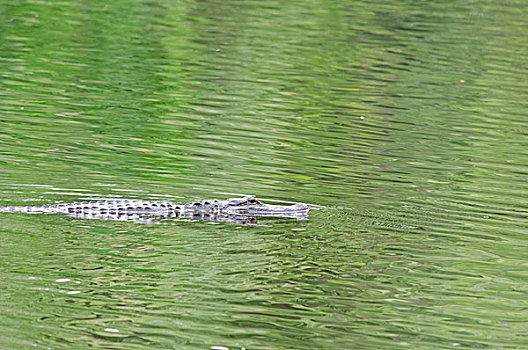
{"x": 237, "y": 210}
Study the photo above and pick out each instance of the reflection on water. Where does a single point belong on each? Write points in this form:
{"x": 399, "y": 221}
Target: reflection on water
{"x": 402, "y": 123}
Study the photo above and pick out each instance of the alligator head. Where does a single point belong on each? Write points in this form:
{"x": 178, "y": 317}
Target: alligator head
{"x": 249, "y": 206}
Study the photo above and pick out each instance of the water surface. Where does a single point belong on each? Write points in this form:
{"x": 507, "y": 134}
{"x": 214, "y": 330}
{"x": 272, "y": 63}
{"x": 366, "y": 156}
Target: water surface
{"x": 404, "y": 123}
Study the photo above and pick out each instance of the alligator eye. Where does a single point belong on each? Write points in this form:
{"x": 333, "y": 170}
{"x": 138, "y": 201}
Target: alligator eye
{"x": 250, "y": 202}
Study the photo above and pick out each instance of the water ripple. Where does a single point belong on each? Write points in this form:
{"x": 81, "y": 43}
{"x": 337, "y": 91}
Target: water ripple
{"x": 403, "y": 123}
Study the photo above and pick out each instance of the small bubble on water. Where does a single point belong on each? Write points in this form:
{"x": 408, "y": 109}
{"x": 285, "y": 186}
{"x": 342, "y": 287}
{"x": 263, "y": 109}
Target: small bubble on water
{"x": 60, "y": 280}
{"x": 112, "y": 330}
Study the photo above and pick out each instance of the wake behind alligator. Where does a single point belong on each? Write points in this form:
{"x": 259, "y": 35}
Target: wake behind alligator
{"x": 244, "y": 210}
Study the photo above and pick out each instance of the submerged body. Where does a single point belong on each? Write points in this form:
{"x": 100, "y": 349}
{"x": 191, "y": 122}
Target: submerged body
{"x": 241, "y": 210}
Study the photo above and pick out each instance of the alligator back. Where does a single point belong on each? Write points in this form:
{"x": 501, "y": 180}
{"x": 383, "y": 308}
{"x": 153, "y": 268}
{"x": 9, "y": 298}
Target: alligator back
{"x": 98, "y": 207}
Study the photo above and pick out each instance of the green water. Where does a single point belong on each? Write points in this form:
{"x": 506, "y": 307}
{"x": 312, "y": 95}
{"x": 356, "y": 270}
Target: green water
{"x": 405, "y": 121}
